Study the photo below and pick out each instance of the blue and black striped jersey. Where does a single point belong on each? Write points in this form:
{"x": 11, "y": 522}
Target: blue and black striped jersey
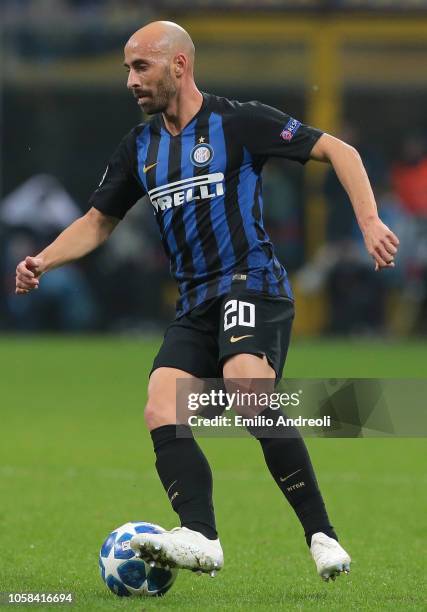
{"x": 206, "y": 192}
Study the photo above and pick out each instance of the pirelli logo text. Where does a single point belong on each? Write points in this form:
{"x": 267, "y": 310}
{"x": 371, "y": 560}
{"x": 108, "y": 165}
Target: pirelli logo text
{"x": 195, "y": 188}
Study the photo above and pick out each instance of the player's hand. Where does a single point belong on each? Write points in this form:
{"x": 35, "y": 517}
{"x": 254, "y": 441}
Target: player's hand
{"x": 381, "y": 244}
{"x": 28, "y": 273}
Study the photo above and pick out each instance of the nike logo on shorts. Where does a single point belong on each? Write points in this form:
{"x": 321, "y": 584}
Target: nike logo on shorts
{"x": 238, "y": 338}
{"x": 147, "y": 168}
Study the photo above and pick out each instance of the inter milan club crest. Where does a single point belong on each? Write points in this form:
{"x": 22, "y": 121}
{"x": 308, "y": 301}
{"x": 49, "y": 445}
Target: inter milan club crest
{"x": 202, "y": 154}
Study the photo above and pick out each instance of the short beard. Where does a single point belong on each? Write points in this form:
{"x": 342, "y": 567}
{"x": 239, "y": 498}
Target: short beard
{"x": 165, "y": 91}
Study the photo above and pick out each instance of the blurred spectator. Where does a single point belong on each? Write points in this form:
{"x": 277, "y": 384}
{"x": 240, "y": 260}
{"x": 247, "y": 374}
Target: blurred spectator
{"x": 121, "y": 286}
{"x": 64, "y": 304}
{"x": 283, "y": 214}
{"x": 33, "y": 214}
{"x": 41, "y": 204}
{"x": 135, "y": 271}
{"x": 409, "y": 176}
{"x": 357, "y": 294}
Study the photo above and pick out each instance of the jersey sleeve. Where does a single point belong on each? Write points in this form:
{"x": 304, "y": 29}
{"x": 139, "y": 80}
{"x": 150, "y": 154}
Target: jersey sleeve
{"x": 268, "y": 132}
{"x": 120, "y": 187}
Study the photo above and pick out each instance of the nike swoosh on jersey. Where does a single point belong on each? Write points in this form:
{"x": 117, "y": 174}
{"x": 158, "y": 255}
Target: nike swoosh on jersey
{"x": 238, "y": 338}
{"x": 286, "y": 477}
{"x": 147, "y": 168}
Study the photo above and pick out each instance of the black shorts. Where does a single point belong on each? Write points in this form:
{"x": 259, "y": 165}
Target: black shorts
{"x": 240, "y": 322}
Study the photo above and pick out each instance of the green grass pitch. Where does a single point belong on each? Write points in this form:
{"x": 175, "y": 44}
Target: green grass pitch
{"x": 76, "y": 462}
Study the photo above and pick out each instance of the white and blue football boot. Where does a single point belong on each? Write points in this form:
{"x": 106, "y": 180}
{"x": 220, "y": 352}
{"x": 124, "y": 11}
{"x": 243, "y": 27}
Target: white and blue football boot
{"x": 182, "y": 548}
{"x": 330, "y": 557}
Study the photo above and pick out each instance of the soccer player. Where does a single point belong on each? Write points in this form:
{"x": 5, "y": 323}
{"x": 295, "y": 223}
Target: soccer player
{"x": 199, "y": 159}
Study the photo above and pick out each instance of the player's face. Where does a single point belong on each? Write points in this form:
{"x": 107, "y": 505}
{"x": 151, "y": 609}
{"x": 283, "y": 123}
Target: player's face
{"x": 150, "y": 80}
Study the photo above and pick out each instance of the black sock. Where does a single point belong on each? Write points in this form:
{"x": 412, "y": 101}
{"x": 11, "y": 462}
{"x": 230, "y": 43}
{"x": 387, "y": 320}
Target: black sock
{"x": 186, "y": 477}
{"x": 289, "y": 463}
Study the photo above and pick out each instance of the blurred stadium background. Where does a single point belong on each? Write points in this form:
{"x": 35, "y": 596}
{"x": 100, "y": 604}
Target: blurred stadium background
{"x": 75, "y": 459}
{"x": 355, "y": 68}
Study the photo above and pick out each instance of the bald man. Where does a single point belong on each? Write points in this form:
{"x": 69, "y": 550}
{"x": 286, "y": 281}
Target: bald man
{"x": 199, "y": 159}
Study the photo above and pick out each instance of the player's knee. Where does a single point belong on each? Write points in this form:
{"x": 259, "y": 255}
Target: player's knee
{"x": 150, "y": 415}
{"x": 159, "y": 410}
{"x": 157, "y": 414}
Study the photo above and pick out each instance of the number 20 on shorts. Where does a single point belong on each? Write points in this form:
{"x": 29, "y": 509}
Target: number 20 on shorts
{"x": 237, "y": 312}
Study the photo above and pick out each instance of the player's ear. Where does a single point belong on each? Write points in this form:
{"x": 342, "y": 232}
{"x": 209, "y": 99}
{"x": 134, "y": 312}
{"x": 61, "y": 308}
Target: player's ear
{"x": 180, "y": 61}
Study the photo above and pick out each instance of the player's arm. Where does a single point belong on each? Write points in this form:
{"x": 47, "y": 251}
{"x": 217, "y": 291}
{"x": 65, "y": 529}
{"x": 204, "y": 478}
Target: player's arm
{"x": 77, "y": 240}
{"x": 268, "y": 132}
{"x": 380, "y": 241}
{"x": 117, "y": 193}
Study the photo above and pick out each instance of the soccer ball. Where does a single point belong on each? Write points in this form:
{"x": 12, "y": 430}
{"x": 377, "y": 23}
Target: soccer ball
{"x": 127, "y": 575}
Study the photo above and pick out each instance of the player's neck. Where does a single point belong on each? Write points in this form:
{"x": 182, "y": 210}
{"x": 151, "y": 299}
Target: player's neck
{"x": 182, "y": 110}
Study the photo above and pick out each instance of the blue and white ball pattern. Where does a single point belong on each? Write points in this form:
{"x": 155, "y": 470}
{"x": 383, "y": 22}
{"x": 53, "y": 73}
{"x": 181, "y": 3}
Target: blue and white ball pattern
{"x": 126, "y": 575}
